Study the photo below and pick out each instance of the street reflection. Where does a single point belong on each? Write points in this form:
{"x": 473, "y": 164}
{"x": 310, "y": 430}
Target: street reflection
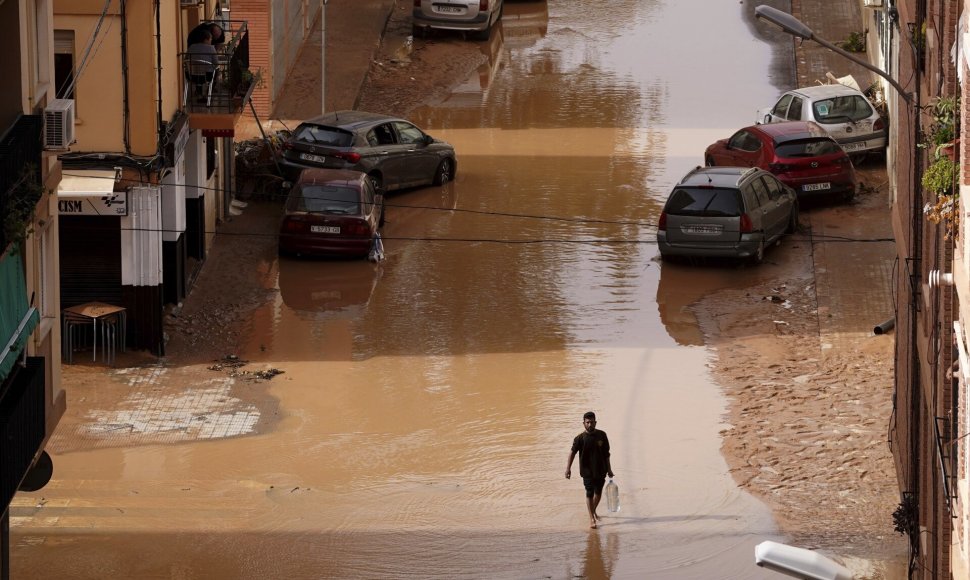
{"x": 599, "y": 562}
{"x": 327, "y": 286}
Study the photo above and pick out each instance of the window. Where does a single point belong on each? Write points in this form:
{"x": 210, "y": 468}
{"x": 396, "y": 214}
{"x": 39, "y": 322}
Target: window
{"x": 64, "y": 63}
{"x": 842, "y": 109}
{"x": 795, "y": 110}
{"x": 760, "y": 191}
{"x": 381, "y": 135}
{"x": 774, "y": 188}
{"x": 408, "y": 133}
{"x": 744, "y": 141}
{"x": 781, "y": 108}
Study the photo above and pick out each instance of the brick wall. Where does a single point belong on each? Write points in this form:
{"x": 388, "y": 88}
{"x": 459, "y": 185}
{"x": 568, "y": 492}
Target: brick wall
{"x": 256, "y": 13}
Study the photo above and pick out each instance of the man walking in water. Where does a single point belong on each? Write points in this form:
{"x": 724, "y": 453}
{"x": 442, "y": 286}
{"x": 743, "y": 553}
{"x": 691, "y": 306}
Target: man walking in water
{"x": 594, "y": 463}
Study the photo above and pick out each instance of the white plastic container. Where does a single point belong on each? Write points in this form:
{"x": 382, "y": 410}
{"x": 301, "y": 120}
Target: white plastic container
{"x": 612, "y": 496}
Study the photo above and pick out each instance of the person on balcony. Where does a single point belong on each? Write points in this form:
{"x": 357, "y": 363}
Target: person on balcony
{"x": 202, "y": 63}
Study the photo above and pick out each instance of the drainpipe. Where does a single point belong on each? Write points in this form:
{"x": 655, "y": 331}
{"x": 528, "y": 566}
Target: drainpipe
{"x": 158, "y": 51}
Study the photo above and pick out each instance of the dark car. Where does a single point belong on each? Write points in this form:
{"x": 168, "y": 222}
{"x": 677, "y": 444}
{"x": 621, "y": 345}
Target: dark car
{"x": 731, "y": 212}
{"x": 331, "y": 212}
{"x": 393, "y": 152}
{"x": 800, "y": 153}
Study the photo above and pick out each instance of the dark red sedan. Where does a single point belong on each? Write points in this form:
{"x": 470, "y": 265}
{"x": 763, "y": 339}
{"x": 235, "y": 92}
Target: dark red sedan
{"x": 331, "y": 212}
{"x": 800, "y": 153}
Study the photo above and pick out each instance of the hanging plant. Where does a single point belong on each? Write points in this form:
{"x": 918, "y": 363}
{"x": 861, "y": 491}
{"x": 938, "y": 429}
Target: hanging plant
{"x": 18, "y": 205}
{"x": 939, "y": 178}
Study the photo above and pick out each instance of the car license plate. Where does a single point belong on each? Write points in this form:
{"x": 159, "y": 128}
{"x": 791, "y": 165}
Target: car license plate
{"x": 702, "y": 229}
{"x": 858, "y": 145}
{"x": 325, "y": 229}
{"x": 450, "y": 9}
{"x": 816, "y": 186}
{"x": 313, "y": 158}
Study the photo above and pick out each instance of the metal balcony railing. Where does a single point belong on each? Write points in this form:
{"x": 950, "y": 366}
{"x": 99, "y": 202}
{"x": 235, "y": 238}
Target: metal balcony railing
{"x": 22, "y": 425}
{"x": 224, "y": 86}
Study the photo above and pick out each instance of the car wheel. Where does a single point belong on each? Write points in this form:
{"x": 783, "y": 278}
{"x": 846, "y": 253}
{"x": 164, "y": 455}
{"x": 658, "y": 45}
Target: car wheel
{"x": 444, "y": 172}
{"x": 759, "y": 254}
{"x": 417, "y": 31}
{"x": 708, "y": 161}
{"x": 482, "y": 34}
{"x": 849, "y": 195}
{"x": 376, "y": 181}
{"x": 793, "y": 220}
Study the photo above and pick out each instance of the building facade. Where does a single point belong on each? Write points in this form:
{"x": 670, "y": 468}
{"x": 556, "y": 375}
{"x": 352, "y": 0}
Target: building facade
{"x": 31, "y": 399}
{"x": 149, "y": 175}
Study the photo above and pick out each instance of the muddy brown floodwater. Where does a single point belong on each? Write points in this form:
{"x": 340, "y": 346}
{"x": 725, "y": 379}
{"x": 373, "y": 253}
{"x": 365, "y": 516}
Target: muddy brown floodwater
{"x": 423, "y": 416}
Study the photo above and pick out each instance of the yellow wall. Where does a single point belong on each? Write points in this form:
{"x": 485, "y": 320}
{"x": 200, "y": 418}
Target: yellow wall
{"x": 100, "y": 91}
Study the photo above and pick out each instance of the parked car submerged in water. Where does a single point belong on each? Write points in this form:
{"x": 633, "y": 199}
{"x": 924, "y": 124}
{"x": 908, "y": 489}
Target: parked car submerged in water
{"x": 394, "y": 152}
{"x": 728, "y": 212}
{"x": 799, "y": 153}
{"x": 844, "y": 112}
{"x": 331, "y": 212}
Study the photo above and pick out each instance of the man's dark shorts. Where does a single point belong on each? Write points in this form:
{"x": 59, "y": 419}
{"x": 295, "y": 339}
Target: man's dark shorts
{"x": 594, "y": 486}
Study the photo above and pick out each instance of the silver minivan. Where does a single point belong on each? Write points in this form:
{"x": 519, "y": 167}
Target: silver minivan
{"x": 732, "y": 212}
{"x": 476, "y": 16}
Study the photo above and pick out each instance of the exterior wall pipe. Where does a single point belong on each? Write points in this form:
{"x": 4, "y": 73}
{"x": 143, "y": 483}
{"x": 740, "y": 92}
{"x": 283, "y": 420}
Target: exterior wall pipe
{"x": 884, "y": 327}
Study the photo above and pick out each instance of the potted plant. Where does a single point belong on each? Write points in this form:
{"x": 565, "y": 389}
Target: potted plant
{"x": 940, "y": 179}
{"x": 942, "y": 136}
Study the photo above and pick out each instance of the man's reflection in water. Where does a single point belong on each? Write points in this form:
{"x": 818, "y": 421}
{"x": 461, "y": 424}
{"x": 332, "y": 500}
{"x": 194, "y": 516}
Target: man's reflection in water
{"x": 599, "y": 564}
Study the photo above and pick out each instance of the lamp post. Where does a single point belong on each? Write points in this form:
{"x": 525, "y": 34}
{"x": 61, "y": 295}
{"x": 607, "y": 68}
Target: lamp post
{"x": 796, "y": 27}
{"x": 323, "y": 56}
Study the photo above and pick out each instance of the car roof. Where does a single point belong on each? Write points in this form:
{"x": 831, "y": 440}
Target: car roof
{"x": 718, "y": 176}
{"x": 791, "y": 131}
{"x": 315, "y": 176}
{"x": 351, "y": 120}
{"x": 826, "y": 91}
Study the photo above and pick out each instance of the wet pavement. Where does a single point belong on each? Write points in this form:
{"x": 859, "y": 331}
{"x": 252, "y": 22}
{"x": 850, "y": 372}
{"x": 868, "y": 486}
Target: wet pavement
{"x": 427, "y": 403}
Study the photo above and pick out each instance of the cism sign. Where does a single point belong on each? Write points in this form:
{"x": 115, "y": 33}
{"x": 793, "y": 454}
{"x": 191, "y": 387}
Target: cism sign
{"x": 115, "y": 204}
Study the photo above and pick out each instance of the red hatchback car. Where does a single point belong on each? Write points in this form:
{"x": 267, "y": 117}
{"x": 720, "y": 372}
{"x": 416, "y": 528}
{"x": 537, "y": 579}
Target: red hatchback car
{"x": 800, "y": 153}
{"x": 331, "y": 212}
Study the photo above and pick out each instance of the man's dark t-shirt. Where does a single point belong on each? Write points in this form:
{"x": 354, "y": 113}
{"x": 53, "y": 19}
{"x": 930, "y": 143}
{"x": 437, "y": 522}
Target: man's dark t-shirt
{"x": 594, "y": 453}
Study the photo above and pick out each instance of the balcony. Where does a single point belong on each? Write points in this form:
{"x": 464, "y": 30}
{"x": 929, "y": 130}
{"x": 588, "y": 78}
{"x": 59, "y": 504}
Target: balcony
{"x": 22, "y": 425}
{"x": 215, "y": 94}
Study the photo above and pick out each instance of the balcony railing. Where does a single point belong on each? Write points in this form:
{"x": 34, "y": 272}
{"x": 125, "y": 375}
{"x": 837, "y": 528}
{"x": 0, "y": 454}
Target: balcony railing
{"x": 22, "y": 425}
{"x": 223, "y": 87}
{"x": 20, "y": 151}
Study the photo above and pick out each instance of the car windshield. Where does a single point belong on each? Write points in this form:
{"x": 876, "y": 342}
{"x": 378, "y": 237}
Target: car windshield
{"x": 807, "y": 148}
{"x": 319, "y": 135}
{"x": 842, "y": 109}
{"x": 325, "y": 199}
{"x": 709, "y": 202}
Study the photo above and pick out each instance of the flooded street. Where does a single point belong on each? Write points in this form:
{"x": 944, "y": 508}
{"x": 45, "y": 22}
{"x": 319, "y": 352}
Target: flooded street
{"x": 427, "y": 404}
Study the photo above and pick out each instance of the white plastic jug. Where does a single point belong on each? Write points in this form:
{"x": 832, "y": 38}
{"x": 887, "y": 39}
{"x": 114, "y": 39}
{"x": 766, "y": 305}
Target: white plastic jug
{"x": 612, "y": 496}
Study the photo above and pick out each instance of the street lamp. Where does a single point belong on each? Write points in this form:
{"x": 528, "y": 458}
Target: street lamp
{"x": 795, "y": 27}
{"x": 323, "y": 56}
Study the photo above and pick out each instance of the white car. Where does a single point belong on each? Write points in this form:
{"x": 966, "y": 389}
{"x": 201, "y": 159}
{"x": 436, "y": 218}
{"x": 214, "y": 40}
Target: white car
{"x": 474, "y": 16}
{"x": 845, "y": 113}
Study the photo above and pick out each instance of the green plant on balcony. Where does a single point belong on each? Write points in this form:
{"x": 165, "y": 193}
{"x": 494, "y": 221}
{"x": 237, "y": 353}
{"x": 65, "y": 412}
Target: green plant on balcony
{"x": 250, "y": 78}
{"x": 939, "y": 179}
{"x": 19, "y": 202}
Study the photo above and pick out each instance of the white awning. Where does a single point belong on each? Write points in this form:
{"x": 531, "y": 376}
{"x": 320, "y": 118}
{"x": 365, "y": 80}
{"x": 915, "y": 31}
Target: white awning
{"x": 87, "y": 182}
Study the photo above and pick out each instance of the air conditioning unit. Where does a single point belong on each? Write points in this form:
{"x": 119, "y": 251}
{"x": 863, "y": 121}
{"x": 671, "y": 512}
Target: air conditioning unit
{"x": 872, "y": 3}
{"x": 59, "y": 125}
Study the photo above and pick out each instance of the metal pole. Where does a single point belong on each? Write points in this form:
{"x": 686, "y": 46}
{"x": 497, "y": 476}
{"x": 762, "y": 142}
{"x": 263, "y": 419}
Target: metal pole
{"x": 323, "y": 56}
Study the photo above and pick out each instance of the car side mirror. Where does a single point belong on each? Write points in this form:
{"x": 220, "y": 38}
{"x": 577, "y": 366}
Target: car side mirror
{"x": 428, "y": 139}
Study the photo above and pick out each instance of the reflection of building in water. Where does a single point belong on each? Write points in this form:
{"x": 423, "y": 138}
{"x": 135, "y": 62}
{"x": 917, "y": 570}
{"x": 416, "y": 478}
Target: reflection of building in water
{"x": 524, "y": 23}
{"x": 474, "y": 90}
